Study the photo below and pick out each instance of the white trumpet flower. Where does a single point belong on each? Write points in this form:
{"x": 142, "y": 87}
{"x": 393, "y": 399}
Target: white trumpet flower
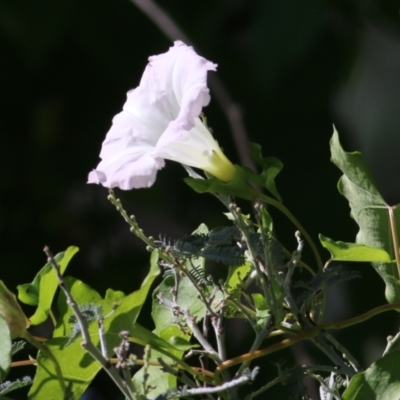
{"x": 160, "y": 120}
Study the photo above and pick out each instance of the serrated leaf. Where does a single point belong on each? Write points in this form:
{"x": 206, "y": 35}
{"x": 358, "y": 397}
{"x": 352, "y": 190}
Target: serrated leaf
{"x": 5, "y": 348}
{"x": 341, "y": 251}
{"x": 381, "y": 381}
{"x": 370, "y": 211}
{"x": 43, "y": 288}
{"x": 78, "y": 366}
{"x": 9, "y": 386}
{"x": 17, "y": 346}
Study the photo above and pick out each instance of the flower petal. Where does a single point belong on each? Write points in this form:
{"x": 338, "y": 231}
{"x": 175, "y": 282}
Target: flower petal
{"x": 160, "y": 119}
{"x": 126, "y": 172}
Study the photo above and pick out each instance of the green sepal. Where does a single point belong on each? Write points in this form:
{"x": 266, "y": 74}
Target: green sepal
{"x": 237, "y": 187}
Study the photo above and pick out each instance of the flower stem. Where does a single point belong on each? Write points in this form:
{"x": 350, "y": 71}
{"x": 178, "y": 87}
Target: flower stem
{"x": 296, "y": 223}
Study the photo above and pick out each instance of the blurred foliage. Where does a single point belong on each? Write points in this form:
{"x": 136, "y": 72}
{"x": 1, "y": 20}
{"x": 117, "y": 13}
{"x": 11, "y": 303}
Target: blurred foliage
{"x": 293, "y": 66}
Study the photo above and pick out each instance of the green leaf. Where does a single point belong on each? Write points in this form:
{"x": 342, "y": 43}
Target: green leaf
{"x": 12, "y": 312}
{"x": 43, "y": 288}
{"x": 5, "y": 348}
{"x": 77, "y": 366}
{"x": 180, "y": 343}
{"x": 259, "y": 301}
{"x": 381, "y": 381}
{"x": 166, "y": 327}
{"x": 262, "y": 312}
{"x": 266, "y": 219}
{"x": 342, "y": 251}
{"x": 157, "y": 380}
{"x": 370, "y": 211}
{"x": 271, "y": 167}
{"x": 140, "y": 335}
{"x": 236, "y": 275}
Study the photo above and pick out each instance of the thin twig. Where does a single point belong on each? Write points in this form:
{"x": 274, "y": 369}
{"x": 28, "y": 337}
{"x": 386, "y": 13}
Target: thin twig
{"x": 346, "y": 354}
{"x": 390, "y": 342}
{"x": 247, "y": 377}
{"x": 192, "y": 325}
{"x": 179, "y": 374}
{"x": 87, "y": 343}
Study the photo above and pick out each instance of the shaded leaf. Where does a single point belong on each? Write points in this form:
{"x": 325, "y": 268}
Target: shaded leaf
{"x": 370, "y": 211}
{"x": 342, "y": 251}
{"x": 17, "y": 346}
{"x": 12, "y": 312}
{"x": 271, "y": 167}
{"x": 5, "y": 348}
{"x": 381, "y": 381}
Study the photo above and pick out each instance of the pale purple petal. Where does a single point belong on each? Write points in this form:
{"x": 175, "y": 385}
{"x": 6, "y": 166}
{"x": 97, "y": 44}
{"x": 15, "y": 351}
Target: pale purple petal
{"x": 160, "y": 120}
{"x": 127, "y": 173}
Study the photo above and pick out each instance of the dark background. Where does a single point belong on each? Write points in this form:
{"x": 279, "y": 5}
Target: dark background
{"x": 293, "y": 67}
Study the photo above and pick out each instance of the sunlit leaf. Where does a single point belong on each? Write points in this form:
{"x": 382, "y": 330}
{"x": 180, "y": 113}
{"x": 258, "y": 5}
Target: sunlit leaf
{"x": 341, "y": 251}
{"x": 43, "y": 288}
{"x": 236, "y": 275}
{"x": 167, "y": 328}
{"x": 78, "y": 366}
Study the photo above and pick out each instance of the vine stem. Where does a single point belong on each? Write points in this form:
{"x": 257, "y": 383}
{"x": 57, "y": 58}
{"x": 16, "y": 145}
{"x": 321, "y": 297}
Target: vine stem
{"x": 390, "y": 342}
{"x": 296, "y": 223}
{"x": 87, "y": 343}
{"x": 307, "y": 334}
{"x": 394, "y": 238}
